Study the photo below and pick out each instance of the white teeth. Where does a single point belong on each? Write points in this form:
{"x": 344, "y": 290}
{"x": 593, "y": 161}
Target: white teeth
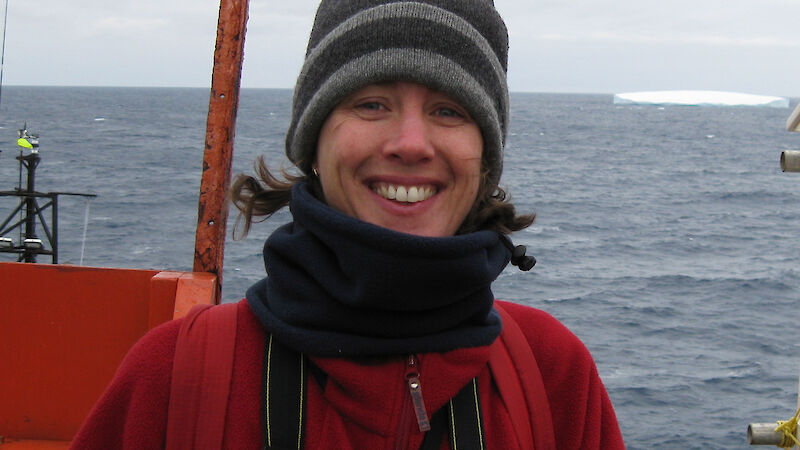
{"x": 402, "y": 195}
{"x": 413, "y": 195}
{"x": 406, "y": 194}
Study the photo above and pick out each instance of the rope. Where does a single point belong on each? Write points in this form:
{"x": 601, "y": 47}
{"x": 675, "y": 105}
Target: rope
{"x": 789, "y": 428}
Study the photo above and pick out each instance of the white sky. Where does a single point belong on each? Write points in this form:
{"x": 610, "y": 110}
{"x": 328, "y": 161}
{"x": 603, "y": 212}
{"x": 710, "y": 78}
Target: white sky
{"x": 600, "y": 46}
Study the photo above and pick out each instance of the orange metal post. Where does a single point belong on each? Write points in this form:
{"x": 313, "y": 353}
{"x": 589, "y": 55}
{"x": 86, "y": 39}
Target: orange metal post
{"x": 212, "y": 211}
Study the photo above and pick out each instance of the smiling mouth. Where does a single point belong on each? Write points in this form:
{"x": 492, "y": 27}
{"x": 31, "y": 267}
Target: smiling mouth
{"x": 406, "y": 194}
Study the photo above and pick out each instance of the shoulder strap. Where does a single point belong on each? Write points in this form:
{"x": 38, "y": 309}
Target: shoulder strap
{"x": 201, "y": 377}
{"x": 519, "y": 381}
{"x": 284, "y": 392}
{"x": 460, "y": 419}
{"x": 466, "y": 423}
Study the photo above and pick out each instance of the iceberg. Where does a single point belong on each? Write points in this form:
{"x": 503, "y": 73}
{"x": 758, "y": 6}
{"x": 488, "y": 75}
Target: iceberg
{"x": 699, "y": 98}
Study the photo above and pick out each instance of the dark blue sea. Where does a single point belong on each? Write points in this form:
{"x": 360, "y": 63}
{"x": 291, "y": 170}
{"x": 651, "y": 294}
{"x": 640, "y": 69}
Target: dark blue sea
{"x": 667, "y": 238}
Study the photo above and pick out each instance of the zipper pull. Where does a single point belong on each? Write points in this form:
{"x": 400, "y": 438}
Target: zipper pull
{"x": 415, "y": 388}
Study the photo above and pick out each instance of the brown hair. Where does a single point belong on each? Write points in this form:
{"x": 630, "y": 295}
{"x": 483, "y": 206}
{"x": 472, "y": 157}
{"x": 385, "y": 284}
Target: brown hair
{"x": 258, "y": 199}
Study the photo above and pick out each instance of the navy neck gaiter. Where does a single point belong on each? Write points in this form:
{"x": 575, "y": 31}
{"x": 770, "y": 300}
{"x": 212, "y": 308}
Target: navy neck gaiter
{"x": 337, "y": 286}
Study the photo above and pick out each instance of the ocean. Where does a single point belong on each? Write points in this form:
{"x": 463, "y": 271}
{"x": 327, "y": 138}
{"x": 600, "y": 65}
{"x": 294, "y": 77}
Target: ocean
{"x": 666, "y": 237}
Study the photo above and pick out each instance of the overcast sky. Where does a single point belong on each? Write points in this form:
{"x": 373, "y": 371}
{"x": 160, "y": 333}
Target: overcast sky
{"x": 598, "y": 46}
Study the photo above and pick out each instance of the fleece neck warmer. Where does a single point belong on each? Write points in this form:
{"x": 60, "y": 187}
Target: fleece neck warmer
{"x": 337, "y": 286}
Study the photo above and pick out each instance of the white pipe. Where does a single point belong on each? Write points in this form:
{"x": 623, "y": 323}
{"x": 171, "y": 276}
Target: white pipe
{"x": 763, "y": 434}
{"x": 790, "y": 161}
{"x": 793, "y": 122}
{"x": 85, "y": 227}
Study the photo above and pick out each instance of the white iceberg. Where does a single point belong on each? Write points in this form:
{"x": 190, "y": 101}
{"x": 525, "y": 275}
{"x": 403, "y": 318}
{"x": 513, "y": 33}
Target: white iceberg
{"x": 699, "y": 98}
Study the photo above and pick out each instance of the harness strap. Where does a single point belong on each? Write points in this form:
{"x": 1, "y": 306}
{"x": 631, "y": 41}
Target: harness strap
{"x": 519, "y": 380}
{"x": 284, "y": 389}
{"x": 201, "y": 378}
{"x": 466, "y": 423}
{"x": 461, "y": 419}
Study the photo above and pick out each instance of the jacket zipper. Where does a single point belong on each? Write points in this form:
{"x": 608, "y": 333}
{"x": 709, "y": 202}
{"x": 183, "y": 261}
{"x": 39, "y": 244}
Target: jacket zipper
{"x": 415, "y": 388}
{"x": 418, "y": 405}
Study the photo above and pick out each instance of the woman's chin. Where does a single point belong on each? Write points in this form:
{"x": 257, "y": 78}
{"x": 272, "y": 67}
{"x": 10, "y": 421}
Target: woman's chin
{"x": 417, "y": 227}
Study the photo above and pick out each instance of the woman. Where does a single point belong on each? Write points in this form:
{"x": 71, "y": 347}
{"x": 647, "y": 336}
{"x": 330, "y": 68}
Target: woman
{"x": 383, "y": 279}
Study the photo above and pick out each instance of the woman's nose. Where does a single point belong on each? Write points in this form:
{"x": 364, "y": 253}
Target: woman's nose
{"x": 410, "y": 142}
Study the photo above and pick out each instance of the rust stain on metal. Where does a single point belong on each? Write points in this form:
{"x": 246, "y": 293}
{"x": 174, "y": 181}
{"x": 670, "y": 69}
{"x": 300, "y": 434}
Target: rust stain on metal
{"x": 220, "y": 130}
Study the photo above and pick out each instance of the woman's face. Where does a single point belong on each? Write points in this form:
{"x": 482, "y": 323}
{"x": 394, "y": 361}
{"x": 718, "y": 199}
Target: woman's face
{"x": 401, "y": 156}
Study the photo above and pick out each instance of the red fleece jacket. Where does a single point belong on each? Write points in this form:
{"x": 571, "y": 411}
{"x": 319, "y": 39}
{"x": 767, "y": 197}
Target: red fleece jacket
{"x": 365, "y": 404}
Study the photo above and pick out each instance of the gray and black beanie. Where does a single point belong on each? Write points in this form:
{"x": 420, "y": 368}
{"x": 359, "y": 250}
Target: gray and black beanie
{"x": 459, "y": 47}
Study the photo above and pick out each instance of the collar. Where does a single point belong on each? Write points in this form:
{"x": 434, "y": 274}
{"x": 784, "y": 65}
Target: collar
{"x": 337, "y": 286}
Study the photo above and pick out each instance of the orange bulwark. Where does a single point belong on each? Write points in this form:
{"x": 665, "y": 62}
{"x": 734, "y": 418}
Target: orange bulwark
{"x": 65, "y": 329}
{"x": 63, "y": 332}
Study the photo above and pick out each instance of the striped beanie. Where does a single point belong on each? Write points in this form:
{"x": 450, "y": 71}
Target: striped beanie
{"x": 459, "y": 47}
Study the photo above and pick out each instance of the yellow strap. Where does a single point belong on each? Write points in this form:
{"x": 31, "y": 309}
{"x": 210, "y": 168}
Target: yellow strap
{"x": 789, "y": 429}
{"x": 266, "y": 397}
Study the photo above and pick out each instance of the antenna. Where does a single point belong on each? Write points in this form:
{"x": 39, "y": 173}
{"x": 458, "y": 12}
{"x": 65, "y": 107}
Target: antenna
{"x": 31, "y": 212}
{"x": 3, "y": 50}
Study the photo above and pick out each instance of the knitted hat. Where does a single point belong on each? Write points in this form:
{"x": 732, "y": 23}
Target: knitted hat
{"x": 459, "y": 47}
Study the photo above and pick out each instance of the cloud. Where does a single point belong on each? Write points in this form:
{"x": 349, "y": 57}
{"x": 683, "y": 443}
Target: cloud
{"x": 125, "y": 25}
{"x": 670, "y": 38}
{"x": 554, "y": 43}
{"x": 745, "y": 23}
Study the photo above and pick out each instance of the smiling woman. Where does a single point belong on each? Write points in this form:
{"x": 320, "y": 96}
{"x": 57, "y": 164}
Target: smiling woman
{"x": 365, "y": 61}
{"x": 401, "y": 156}
{"x": 377, "y": 307}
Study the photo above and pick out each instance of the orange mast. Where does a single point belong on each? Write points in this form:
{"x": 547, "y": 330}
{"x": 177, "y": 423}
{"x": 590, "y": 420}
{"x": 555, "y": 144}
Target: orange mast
{"x": 212, "y": 210}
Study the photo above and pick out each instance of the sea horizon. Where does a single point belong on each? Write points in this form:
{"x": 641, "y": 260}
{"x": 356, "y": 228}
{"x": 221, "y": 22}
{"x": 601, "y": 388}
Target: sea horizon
{"x": 665, "y": 236}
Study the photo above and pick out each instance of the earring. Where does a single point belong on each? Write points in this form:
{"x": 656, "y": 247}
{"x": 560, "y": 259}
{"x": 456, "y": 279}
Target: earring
{"x": 316, "y": 174}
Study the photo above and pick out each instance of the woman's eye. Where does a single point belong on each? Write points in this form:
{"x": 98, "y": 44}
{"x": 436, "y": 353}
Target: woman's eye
{"x": 370, "y": 106}
{"x": 449, "y": 112}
